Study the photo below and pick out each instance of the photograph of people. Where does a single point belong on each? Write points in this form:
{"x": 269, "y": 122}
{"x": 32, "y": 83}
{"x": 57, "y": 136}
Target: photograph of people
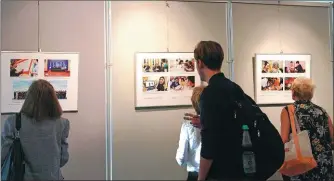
{"x": 57, "y": 67}
{"x": 161, "y": 85}
{"x": 20, "y": 88}
{"x": 155, "y": 65}
{"x": 23, "y": 67}
{"x": 294, "y": 66}
{"x": 179, "y": 83}
{"x": 271, "y": 66}
{"x": 300, "y": 67}
{"x": 189, "y": 148}
{"x": 288, "y": 82}
{"x": 291, "y": 67}
{"x": 60, "y": 87}
{"x": 316, "y": 121}
{"x": 34, "y": 71}
{"x": 189, "y": 66}
{"x": 265, "y": 66}
{"x": 154, "y": 84}
{"x": 271, "y": 84}
{"x": 180, "y": 65}
{"x": 13, "y": 69}
{"x": 175, "y": 83}
{"x": 277, "y": 67}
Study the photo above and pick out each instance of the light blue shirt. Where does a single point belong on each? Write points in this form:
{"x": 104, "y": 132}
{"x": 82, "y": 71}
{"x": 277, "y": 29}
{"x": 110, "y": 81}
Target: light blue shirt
{"x": 188, "y": 153}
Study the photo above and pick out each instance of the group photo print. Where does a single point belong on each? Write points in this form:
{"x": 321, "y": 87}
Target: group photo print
{"x": 56, "y": 68}
{"x": 155, "y": 84}
{"x": 20, "y": 69}
{"x": 182, "y": 65}
{"x": 163, "y": 77}
{"x": 275, "y": 74}
{"x": 20, "y": 89}
{"x": 180, "y": 83}
{"x": 155, "y": 65}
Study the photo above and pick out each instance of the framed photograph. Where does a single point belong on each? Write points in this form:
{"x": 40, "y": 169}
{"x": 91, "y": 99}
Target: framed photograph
{"x": 274, "y": 75}
{"x": 20, "y": 69}
{"x": 165, "y": 79}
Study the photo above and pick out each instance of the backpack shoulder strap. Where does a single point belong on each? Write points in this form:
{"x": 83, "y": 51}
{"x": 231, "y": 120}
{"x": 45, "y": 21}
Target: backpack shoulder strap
{"x": 18, "y": 121}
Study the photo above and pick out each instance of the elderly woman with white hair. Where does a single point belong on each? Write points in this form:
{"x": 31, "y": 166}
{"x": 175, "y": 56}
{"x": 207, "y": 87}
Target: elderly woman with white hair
{"x": 275, "y": 68}
{"x": 317, "y": 122}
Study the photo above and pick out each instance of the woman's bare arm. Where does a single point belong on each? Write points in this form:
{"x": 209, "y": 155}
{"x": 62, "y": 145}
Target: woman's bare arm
{"x": 285, "y": 125}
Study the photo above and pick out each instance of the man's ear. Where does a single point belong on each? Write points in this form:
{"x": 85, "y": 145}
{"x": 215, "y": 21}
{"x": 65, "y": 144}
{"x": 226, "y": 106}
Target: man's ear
{"x": 200, "y": 64}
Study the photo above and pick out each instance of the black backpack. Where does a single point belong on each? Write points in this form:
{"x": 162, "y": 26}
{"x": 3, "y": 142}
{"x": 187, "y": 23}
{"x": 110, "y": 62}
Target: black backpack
{"x": 14, "y": 166}
{"x": 267, "y": 143}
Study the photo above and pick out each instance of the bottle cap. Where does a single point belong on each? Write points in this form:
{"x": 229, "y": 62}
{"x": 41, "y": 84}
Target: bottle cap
{"x": 245, "y": 127}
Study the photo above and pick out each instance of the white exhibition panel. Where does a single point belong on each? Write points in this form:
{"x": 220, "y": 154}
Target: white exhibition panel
{"x": 272, "y": 83}
{"x": 20, "y": 69}
{"x": 147, "y": 94}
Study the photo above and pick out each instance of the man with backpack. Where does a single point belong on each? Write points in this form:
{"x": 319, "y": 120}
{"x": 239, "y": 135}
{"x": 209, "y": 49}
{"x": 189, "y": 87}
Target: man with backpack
{"x": 225, "y": 110}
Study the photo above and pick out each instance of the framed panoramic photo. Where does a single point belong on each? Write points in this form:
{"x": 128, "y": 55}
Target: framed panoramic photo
{"x": 275, "y": 73}
{"x": 165, "y": 79}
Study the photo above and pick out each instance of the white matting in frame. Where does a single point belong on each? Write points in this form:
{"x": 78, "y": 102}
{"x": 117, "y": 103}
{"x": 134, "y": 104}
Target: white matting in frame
{"x": 275, "y": 73}
{"x": 165, "y": 79}
{"x": 20, "y": 69}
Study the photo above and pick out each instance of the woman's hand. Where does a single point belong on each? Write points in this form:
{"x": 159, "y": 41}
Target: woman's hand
{"x": 195, "y": 119}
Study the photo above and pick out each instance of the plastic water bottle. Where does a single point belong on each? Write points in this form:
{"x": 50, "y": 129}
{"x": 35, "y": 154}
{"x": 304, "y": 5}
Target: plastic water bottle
{"x": 248, "y": 156}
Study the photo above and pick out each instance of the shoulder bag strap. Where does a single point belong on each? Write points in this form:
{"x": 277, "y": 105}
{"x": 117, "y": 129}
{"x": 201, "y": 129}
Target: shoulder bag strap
{"x": 18, "y": 124}
{"x": 291, "y": 111}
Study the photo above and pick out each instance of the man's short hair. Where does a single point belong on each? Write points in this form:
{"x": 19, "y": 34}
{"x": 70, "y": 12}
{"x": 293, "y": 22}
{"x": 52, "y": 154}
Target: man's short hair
{"x": 297, "y": 62}
{"x": 210, "y": 53}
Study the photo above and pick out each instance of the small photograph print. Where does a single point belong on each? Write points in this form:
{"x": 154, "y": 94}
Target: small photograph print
{"x": 179, "y": 83}
{"x": 155, "y": 84}
{"x": 155, "y": 65}
{"x": 60, "y": 87}
{"x": 272, "y": 66}
{"x": 272, "y": 84}
{"x": 288, "y": 82}
{"x": 23, "y": 67}
{"x": 57, "y": 68}
{"x": 294, "y": 66}
{"x": 182, "y": 65}
{"x": 20, "y": 89}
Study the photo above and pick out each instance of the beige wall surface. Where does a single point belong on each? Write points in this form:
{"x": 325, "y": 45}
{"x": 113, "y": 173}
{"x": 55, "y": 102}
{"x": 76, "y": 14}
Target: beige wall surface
{"x": 68, "y": 26}
{"x": 303, "y": 30}
{"x": 145, "y": 142}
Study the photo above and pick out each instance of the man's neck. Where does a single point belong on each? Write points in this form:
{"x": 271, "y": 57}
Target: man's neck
{"x": 211, "y": 73}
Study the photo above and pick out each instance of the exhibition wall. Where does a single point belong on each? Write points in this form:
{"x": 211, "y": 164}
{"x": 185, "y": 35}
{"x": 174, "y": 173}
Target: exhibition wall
{"x": 145, "y": 141}
{"x": 302, "y": 30}
{"x": 68, "y": 26}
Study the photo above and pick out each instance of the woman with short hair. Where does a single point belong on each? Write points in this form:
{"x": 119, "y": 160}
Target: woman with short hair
{"x": 188, "y": 152}
{"x": 317, "y": 122}
{"x": 43, "y": 133}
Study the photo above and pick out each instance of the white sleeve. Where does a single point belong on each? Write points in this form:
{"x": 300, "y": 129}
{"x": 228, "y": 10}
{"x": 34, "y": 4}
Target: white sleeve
{"x": 182, "y": 150}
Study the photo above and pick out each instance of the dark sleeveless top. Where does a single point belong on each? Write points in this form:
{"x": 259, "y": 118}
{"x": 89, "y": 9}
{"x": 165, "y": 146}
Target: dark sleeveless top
{"x": 313, "y": 118}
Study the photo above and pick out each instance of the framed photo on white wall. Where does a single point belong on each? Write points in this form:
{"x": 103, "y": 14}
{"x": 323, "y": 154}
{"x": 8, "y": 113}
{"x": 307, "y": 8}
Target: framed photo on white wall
{"x": 165, "y": 79}
{"x": 20, "y": 69}
{"x": 275, "y": 73}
